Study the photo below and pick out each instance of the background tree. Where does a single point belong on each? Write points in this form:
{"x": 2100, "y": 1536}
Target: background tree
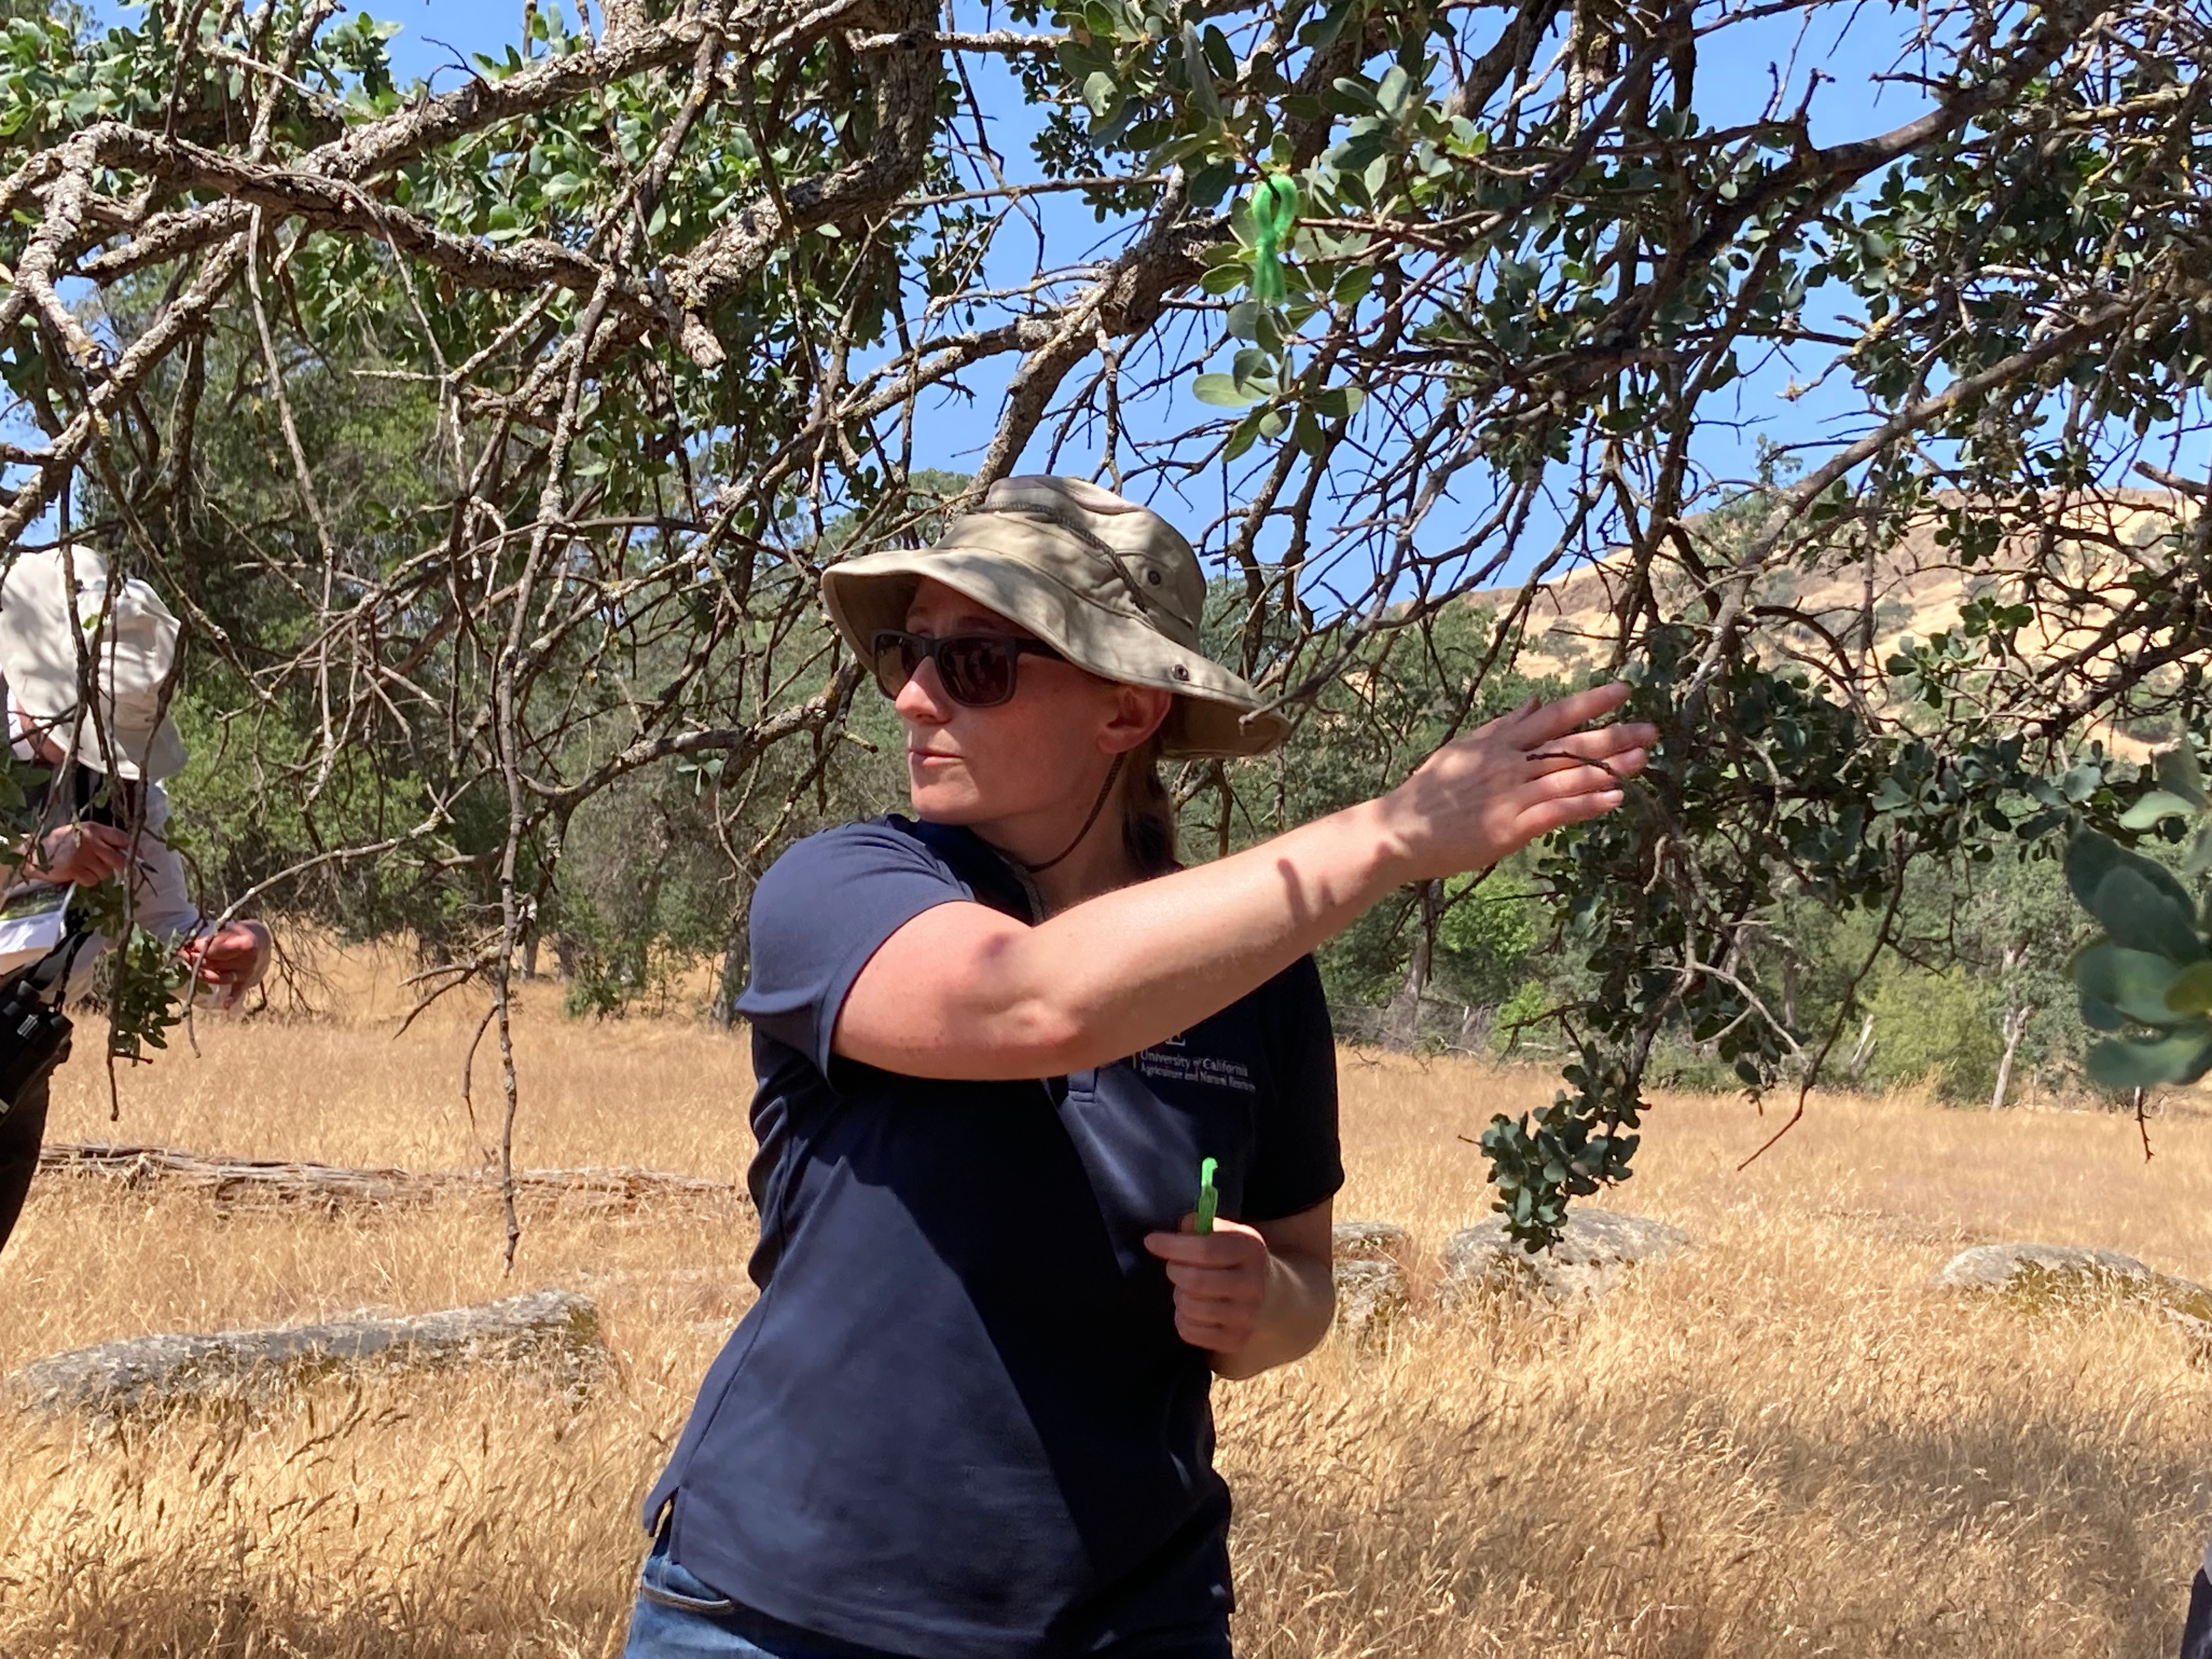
{"x": 628, "y": 321}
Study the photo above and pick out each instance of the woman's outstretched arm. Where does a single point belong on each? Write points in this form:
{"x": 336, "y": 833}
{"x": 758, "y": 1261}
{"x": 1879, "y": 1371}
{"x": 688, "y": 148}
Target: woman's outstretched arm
{"x": 964, "y": 992}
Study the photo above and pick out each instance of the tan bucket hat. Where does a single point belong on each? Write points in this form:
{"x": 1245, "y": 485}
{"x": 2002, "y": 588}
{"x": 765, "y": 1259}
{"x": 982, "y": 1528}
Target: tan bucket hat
{"x": 136, "y": 648}
{"x": 1112, "y": 586}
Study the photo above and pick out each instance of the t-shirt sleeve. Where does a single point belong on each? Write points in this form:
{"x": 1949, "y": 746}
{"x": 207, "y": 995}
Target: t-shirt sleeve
{"x": 820, "y": 913}
{"x": 1297, "y": 1161}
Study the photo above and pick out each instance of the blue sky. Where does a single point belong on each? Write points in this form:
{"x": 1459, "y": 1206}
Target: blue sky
{"x": 1735, "y": 80}
{"x": 1738, "y": 72}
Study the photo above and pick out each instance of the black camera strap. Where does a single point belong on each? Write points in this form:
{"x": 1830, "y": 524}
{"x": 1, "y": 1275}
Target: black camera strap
{"x": 34, "y": 1032}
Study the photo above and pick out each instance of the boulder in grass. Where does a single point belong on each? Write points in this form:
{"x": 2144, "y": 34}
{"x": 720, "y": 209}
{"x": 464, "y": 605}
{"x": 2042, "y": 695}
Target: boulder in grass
{"x": 1370, "y": 1294}
{"x": 1596, "y": 1251}
{"x": 2061, "y": 1271}
{"x": 556, "y": 1329}
{"x": 2043, "y": 1275}
{"x": 1371, "y": 1275}
{"x": 1370, "y": 1240}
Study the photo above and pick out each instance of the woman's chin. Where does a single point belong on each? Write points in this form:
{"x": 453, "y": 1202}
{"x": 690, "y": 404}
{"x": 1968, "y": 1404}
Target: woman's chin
{"x": 943, "y": 801}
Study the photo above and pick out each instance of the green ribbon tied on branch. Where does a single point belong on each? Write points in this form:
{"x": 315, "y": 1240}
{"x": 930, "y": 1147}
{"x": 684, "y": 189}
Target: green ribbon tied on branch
{"x": 1275, "y": 204}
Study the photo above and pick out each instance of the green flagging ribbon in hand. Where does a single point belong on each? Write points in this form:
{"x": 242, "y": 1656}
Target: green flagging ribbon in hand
{"x": 1208, "y": 1200}
{"x": 1274, "y": 211}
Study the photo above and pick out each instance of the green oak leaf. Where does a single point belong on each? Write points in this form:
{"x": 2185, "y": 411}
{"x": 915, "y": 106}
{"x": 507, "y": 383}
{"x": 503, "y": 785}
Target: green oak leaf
{"x": 2181, "y": 1056}
{"x": 2177, "y": 772}
{"x": 2135, "y": 982}
{"x": 2191, "y": 990}
{"x": 2142, "y": 914}
{"x": 2157, "y": 808}
{"x": 1222, "y": 392}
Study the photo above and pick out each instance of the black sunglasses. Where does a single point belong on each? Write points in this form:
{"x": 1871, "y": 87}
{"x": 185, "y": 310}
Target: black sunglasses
{"x": 976, "y": 670}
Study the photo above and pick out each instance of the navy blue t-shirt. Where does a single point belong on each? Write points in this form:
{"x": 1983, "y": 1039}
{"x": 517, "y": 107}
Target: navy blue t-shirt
{"x": 958, "y": 1421}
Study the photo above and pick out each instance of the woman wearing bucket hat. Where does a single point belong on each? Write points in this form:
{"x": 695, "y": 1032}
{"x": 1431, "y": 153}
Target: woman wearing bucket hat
{"x": 969, "y": 1413}
{"x": 102, "y": 807}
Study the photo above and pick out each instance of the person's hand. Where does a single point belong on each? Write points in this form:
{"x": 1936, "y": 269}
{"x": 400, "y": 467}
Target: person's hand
{"x": 232, "y": 959}
{"x": 1220, "y": 1281}
{"x": 1488, "y": 794}
{"x": 84, "y": 854}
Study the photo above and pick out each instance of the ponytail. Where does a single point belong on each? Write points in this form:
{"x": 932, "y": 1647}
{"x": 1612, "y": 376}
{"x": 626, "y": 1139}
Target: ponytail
{"x": 1149, "y": 832}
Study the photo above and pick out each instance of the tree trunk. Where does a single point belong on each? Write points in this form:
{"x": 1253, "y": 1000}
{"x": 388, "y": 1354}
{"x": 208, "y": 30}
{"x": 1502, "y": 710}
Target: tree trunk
{"x": 736, "y": 961}
{"x": 732, "y": 983}
{"x": 530, "y": 957}
{"x": 1862, "y": 1053}
{"x": 2015, "y": 1028}
{"x": 1402, "y": 1025}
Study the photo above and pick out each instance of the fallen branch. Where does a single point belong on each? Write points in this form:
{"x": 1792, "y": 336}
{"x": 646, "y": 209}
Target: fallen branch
{"x": 230, "y": 1180}
{"x": 558, "y": 1328}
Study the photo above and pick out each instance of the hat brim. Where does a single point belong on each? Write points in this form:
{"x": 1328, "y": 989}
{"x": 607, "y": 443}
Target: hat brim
{"x": 159, "y": 754}
{"x": 162, "y": 754}
{"x": 1217, "y": 715}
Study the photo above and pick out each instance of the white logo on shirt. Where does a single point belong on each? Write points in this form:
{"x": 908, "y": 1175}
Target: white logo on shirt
{"x": 1182, "y": 1068}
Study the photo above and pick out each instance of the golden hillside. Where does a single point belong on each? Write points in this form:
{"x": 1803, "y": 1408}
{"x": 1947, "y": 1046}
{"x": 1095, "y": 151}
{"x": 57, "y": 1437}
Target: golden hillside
{"x": 1915, "y": 586}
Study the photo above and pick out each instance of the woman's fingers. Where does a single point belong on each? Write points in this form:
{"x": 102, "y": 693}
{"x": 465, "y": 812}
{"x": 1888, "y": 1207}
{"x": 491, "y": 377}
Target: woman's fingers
{"x": 1211, "y": 1284}
{"x": 1550, "y": 720}
{"x": 1569, "y": 786}
{"x": 1540, "y": 819}
{"x": 1569, "y": 795}
{"x": 85, "y": 852}
{"x": 1520, "y": 777}
{"x": 1600, "y": 740}
{"x": 1555, "y": 733}
{"x": 1613, "y": 747}
{"x": 99, "y": 856}
{"x": 1566, "y": 776}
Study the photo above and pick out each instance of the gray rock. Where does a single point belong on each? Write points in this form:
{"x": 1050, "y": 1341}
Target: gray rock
{"x": 332, "y": 1187}
{"x": 2067, "y": 1275}
{"x": 1371, "y": 1275}
{"x": 1370, "y": 1294}
{"x": 2059, "y": 1267}
{"x": 1370, "y": 1240}
{"x": 558, "y": 1329}
{"x": 1594, "y": 1252}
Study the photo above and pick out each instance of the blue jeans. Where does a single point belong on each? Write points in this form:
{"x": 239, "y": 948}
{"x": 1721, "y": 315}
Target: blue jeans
{"x": 678, "y": 1617}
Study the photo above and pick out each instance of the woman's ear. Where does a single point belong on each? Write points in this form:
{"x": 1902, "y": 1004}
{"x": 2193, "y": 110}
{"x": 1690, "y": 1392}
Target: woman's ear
{"x": 1138, "y": 711}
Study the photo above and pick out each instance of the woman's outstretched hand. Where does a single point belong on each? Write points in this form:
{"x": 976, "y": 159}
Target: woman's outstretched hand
{"x": 1488, "y": 794}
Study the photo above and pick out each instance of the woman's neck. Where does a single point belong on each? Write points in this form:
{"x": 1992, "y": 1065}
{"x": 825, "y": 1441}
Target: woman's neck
{"x": 1099, "y": 865}
{"x": 1065, "y": 861}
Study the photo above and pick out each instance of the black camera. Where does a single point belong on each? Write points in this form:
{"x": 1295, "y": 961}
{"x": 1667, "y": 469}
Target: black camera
{"x": 34, "y": 1038}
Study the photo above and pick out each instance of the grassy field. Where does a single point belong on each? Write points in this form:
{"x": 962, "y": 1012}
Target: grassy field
{"x": 1780, "y": 1444}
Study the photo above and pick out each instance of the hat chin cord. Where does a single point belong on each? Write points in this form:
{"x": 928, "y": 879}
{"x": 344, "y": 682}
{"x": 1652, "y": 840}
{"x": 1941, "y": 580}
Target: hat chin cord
{"x": 1105, "y": 790}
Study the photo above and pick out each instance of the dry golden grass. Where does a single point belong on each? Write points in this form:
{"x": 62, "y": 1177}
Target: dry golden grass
{"x": 1779, "y": 1444}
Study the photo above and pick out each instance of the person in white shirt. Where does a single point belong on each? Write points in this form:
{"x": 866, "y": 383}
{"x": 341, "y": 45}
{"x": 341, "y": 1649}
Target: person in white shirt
{"x": 102, "y": 808}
